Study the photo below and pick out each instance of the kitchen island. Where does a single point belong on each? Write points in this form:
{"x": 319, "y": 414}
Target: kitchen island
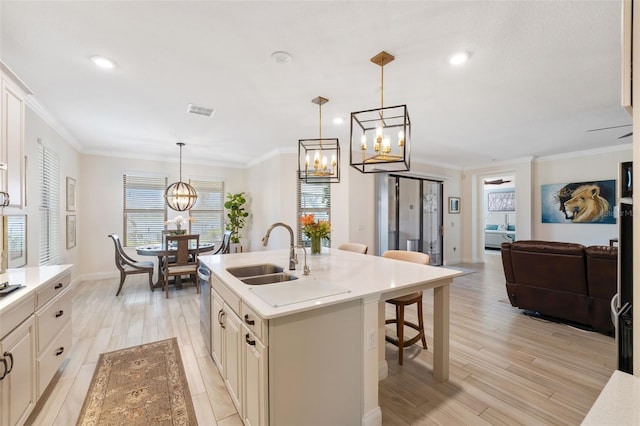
{"x": 311, "y": 350}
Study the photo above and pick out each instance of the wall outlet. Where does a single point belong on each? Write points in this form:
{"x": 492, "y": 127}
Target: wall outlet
{"x": 371, "y": 339}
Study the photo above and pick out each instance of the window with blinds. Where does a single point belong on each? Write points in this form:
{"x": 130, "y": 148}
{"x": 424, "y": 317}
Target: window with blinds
{"x": 208, "y": 212}
{"x": 49, "y": 173}
{"x": 145, "y": 210}
{"x": 313, "y": 198}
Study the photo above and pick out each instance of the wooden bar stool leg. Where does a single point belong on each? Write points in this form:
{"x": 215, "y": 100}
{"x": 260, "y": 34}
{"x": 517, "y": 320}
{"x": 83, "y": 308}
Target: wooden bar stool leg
{"x": 400, "y": 329}
{"x": 421, "y": 324}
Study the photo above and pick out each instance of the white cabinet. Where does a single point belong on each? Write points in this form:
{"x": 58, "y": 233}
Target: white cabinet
{"x": 232, "y": 356}
{"x": 239, "y": 354}
{"x": 226, "y": 330}
{"x": 254, "y": 355}
{"x": 35, "y": 338}
{"x": 17, "y": 373}
{"x": 12, "y": 113}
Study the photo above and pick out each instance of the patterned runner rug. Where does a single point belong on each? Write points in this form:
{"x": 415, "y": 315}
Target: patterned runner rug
{"x": 141, "y": 385}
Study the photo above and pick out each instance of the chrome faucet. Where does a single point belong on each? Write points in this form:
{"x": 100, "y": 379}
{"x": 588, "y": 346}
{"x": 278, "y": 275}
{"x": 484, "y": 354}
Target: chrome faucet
{"x": 305, "y": 270}
{"x": 292, "y": 251}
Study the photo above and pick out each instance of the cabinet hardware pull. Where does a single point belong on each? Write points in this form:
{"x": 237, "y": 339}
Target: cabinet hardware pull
{"x": 4, "y": 372}
{"x": 59, "y": 313}
{"x": 249, "y": 341}
{"x": 221, "y": 318}
{"x": 59, "y": 351}
{"x": 247, "y": 320}
{"x": 10, "y": 355}
{"x": 58, "y": 286}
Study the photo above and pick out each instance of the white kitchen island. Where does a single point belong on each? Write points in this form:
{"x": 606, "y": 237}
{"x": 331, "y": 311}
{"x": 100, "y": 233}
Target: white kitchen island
{"x": 311, "y": 350}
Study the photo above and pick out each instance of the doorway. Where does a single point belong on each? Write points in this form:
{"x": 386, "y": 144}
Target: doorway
{"x": 412, "y": 219}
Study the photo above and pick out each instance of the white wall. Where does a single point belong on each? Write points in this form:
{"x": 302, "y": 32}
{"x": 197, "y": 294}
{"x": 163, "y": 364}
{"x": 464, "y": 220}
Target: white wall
{"x": 37, "y": 129}
{"x": 529, "y": 176}
{"x": 588, "y": 166}
{"x": 101, "y": 202}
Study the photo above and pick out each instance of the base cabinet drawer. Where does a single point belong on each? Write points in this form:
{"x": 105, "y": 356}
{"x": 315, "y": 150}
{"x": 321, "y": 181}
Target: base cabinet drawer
{"x": 51, "y": 358}
{"x": 50, "y": 320}
{"x": 51, "y": 290}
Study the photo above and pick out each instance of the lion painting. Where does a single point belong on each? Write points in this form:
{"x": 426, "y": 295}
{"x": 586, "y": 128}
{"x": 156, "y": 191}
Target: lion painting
{"x": 586, "y": 204}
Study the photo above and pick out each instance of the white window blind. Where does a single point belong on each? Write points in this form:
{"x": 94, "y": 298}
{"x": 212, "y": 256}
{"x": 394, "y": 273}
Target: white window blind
{"x": 208, "y": 212}
{"x": 145, "y": 210}
{"x": 313, "y": 198}
{"x": 49, "y": 171}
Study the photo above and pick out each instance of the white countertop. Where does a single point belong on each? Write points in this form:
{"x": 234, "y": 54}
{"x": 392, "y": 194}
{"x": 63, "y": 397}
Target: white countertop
{"x": 336, "y": 276}
{"x": 31, "y": 278}
{"x": 618, "y": 403}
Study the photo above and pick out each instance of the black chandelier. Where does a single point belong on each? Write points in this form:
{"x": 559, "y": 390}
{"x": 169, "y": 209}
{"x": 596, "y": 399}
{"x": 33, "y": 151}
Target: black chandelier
{"x": 372, "y": 148}
{"x": 319, "y": 159}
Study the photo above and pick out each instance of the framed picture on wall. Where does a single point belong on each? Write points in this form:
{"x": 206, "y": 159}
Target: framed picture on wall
{"x": 16, "y": 228}
{"x": 71, "y": 231}
{"x": 71, "y": 194}
{"x": 454, "y": 204}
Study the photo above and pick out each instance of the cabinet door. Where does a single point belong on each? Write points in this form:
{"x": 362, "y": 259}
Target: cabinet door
{"x": 18, "y": 387}
{"x": 13, "y": 142}
{"x": 217, "y": 311}
{"x": 255, "y": 380}
{"x": 233, "y": 356}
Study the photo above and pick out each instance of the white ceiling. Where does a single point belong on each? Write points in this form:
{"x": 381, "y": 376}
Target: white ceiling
{"x": 540, "y": 75}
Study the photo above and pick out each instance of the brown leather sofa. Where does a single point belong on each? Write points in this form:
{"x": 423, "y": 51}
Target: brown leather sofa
{"x": 566, "y": 281}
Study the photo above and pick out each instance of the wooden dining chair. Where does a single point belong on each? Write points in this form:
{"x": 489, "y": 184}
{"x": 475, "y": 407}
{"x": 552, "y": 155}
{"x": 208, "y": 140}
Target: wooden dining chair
{"x": 178, "y": 260}
{"x": 224, "y": 245}
{"x": 355, "y": 247}
{"x": 402, "y": 302}
{"x": 129, "y": 266}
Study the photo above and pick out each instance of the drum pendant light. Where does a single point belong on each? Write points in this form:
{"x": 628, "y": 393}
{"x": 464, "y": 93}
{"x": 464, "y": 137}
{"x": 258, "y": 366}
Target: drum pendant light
{"x": 180, "y": 195}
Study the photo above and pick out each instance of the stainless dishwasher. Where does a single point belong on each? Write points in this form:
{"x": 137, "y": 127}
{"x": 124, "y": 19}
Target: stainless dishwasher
{"x": 205, "y": 305}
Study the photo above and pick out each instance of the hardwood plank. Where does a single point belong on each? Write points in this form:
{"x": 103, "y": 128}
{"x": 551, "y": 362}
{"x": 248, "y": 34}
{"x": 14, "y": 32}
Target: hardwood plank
{"x": 505, "y": 368}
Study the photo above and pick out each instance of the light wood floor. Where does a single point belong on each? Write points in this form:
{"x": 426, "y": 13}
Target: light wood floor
{"x": 506, "y": 368}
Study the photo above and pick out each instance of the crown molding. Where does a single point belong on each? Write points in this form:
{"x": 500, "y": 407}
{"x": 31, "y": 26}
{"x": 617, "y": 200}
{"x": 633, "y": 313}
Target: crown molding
{"x": 41, "y": 111}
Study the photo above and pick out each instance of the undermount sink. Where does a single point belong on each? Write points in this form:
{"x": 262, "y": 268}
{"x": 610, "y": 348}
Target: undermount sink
{"x": 253, "y": 270}
{"x": 277, "y": 277}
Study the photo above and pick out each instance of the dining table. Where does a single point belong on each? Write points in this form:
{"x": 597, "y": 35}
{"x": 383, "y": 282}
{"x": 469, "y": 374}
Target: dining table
{"x": 159, "y": 250}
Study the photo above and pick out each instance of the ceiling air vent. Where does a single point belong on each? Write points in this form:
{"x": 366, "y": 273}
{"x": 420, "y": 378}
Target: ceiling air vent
{"x": 200, "y": 110}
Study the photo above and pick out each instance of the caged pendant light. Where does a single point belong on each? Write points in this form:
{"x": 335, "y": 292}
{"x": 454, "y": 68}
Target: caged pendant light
{"x": 319, "y": 159}
{"x": 381, "y": 137}
{"x": 180, "y": 195}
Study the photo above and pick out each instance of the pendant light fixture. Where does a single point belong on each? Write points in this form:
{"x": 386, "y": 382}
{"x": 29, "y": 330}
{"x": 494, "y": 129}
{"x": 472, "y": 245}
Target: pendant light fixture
{"x": 319, "y": 159}
{"x": 381, "y": 137}
{"x": 180, "y": 195}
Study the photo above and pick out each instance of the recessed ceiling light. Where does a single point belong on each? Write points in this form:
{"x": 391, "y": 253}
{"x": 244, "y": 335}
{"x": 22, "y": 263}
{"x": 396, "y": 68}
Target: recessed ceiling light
{"x": 102, "y": 62}
{"x": 459, "y": 58}
{"x": 338, "y": 120}
{"x": 281, "y": 57}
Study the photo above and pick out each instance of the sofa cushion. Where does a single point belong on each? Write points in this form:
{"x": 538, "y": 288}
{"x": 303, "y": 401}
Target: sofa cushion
{"x": 551, "y": 265}
{"x": 602, "y": 271}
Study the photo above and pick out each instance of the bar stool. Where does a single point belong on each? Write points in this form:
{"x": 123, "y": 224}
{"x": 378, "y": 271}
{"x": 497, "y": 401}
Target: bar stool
{"x": 355, "y": 247}
{"x": 403, "y": 301}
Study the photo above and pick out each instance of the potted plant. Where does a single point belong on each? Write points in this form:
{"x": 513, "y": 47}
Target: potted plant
{"x": 236, "y": 215}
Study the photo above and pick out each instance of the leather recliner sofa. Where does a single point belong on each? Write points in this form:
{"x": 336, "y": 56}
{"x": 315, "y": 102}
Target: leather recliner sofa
{"x": 566, "y": 281}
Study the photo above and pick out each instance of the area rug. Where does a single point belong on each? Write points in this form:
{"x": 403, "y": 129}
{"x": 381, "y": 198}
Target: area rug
{"x": 141, "y": 385}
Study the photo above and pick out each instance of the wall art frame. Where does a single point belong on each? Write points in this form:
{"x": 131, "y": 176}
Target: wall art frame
{"x": 16, "y": 232}
{"x": 71, "y": 194}
{"x": 71, "y": 231}
{"x": 454, "y": 205}
{"x": 501, "y": 201}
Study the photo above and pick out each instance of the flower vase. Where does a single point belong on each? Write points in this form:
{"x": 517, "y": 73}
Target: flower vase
{"x": 315, "y": 245}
